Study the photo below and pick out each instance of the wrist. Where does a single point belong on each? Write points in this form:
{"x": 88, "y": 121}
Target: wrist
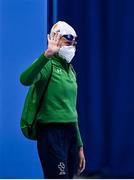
{"x": 81, "y": 148}
{"x": 48, "y": 53}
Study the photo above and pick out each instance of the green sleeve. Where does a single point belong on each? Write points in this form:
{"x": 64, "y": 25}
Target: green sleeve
{"x": 78, "y": 135}
{"x": 28, "y": 76}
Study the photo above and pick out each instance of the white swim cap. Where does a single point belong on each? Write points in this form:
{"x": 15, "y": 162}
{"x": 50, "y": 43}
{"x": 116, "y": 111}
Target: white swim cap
{"x": 63, "y": 28}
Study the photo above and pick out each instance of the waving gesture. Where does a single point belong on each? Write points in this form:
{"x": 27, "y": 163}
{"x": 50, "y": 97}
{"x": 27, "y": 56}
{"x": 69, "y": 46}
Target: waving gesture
{"x": 53, "y": 44}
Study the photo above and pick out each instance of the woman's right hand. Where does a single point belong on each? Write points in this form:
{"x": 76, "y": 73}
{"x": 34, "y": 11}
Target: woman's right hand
{"x": 53, "y": 44}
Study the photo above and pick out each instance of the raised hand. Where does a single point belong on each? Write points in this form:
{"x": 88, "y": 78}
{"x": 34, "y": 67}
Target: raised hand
{"x": 53, "y": 44}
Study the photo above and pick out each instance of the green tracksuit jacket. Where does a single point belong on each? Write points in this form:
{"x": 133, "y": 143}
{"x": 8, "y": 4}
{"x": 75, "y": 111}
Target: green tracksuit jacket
{"x": 58, "y": 103}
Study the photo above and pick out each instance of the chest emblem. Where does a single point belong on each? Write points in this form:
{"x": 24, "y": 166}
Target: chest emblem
{"x": 58, "y": 70}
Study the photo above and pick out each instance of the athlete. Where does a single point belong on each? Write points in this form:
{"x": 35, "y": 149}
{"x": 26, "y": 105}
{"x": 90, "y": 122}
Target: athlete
{"x": 59, "y": 143}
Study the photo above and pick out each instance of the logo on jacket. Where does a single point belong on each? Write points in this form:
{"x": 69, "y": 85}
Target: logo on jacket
{"x": 61, "y": 167}
{"x": 58, "y": 71}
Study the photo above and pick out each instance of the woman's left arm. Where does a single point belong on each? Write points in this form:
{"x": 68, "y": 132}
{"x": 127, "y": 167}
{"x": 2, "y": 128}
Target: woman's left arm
{"x": 81, "y": 157}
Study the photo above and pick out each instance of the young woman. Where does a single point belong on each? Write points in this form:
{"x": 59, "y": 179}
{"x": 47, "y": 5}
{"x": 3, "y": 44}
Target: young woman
{"x": 59, "y": 143}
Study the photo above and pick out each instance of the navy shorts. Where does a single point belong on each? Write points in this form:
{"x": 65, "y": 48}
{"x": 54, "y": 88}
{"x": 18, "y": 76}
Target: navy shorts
{"x": 57, "y": 150}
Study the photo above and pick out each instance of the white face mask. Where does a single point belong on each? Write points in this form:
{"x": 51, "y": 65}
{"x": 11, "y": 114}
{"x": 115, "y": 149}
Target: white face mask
{"x": 67, "y": 52}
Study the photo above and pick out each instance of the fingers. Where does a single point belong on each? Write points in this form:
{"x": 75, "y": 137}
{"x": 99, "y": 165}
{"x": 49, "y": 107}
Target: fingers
{"x": 48, "y": 37}
{"x": 54, "y": 36}
{"x": 81, "y": 166}
{"x": 80, "y": 163}
{"x": 58, "y": 36}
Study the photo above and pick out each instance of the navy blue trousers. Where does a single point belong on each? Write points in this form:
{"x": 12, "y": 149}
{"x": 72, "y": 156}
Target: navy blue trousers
{"x": 57, "y": 150}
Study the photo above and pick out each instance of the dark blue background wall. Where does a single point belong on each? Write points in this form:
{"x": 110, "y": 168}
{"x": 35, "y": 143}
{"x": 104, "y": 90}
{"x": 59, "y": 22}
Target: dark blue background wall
{"x": 23, "y": 29}
{"x": 105, "y": 69}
